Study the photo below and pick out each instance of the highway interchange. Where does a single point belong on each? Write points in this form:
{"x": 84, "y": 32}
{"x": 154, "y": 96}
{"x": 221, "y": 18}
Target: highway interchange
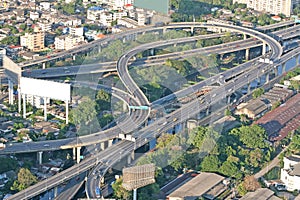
{"x": 112, "y": 154}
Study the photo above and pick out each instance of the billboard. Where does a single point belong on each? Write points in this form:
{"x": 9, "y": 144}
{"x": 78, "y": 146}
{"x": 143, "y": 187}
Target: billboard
{"x": 160, "y": 6}
{"x": 43, "y": 88}
{"x": 138, "y": 176}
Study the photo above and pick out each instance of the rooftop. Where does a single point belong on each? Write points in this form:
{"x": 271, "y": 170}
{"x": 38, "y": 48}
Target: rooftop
{"x": 295, "y": 170}
{"x": 259, "y": 194}
{"x": 95, "y": 8}
{"x": 197, "y": 186}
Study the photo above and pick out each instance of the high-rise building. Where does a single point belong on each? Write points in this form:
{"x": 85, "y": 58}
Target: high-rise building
{"x": 33, "y": 41}
{"x": 271, "y": 6}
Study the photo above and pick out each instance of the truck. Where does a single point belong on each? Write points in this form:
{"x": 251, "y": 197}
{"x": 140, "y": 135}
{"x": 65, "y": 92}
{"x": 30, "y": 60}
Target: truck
{"x": 2, "y": 146}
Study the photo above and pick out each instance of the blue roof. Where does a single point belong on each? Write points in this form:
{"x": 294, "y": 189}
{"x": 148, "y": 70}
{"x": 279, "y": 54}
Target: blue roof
{"x": 95, "y": 8}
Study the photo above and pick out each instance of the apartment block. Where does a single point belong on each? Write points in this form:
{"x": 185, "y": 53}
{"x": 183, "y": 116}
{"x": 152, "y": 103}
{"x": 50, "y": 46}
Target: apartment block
{"x": 67, "y": 42}
{"x": 33, "y": 41}
{"x": 76, "y": 31}
{"x": 271, "y": 6}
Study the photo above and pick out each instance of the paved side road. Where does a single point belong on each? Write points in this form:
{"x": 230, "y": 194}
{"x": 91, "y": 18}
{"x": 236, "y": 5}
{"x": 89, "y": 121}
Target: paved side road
{"x": 272, "y": 164}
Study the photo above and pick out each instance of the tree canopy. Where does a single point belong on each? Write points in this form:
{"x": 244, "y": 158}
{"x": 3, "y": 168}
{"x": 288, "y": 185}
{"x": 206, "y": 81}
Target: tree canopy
{"x": 25, "y": 179}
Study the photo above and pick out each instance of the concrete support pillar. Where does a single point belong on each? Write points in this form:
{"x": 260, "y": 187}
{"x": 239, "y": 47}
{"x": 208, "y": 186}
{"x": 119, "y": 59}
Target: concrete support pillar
{"x": 74, "y": 57}
{"x": 24, "y": 106}
{"x": 276, "y": 71}
{"x": 129, "y": 160}
{"x": 248, "y": 88}
{"x": 220, "y": 30}
{"x": 78, "y": 154}
{"x": 55, "y": 192}
{"x": 175, "y": 44}
{"x": 264, "y": 48}
{"x": 192, "y": 30}
{"x": 267, "y": 77}
{"x": 135, "y": 194}
{"x": 67, "y": 112}
{"x": 132, "y": 155}
{"x": 40, "y": 157}
{"x": 247, "y": 54}
{"x": 164, "y": 30}
{"x": 245, "y": 36}
{"x": 99, "y": 49}
{"x": 19, "y": 100}
{"x": 152, "y": 52}
{"x": 283, "y": 67}
{"x": 44, "y": 65}
{"x": 10, "y": 92}
{"x": 207, "y": 111}
{"x": 45, "y": 108}
{"x": 74, "y": 153}
{"x": 124, "y": 40}
{"x": 110, "y": 142}
{"x": 221, "y": 56}
{"x": 102, "y": 146}
{"x": 297, "y": 60}
{"x": 228, "y": 100}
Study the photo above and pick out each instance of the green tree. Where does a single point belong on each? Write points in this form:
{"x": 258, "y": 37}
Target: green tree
{"x": 119, "y": 191}
{"x": 276, "y": 105}
{"x": 257, "y": 92}
{"x": 25, "y": 179}
{"x": 210, "y": 163}
{"x": 227, "y": 112}
{"x": 230, "y": 168}
{"x": 84, "y": 113}
{"x": 252, "y": 136}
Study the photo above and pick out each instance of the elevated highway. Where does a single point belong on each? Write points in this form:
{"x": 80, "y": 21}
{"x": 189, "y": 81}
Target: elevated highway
{"x": 123, "y": 148}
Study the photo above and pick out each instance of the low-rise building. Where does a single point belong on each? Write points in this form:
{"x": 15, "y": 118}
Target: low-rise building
{"x": 93, "y": 13}
{"x": 45, "y": 25}
{"x": 66, "y": 42}
{"x": 199, "y": 185}
{"x": 253, "y": 109}
{"x": 106, "y": 19}
{"x": 260, "y": 194}
{"x": 78, "y": 30}
{"x": 290, "y": 173}
{"x": 34, "y": 15}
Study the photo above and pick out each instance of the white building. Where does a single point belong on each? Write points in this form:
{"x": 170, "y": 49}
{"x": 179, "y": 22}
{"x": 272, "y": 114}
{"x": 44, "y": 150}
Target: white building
{"x": 93, "y": 13}
{"x": 76, "y": 31}
{"x": 66, "y": 42}
{"x": 45, "y": 5}
{"x": 106, "y": 19}
{"x": 59, "y": 42}
{"x": 274, "y": 7}
{"x": 119, "y": 15}
{"x": 34, "y": 15}
{"x": 290, "y": 174}
{"x": 36, "y": 101}
{"x": 45, "y": 25}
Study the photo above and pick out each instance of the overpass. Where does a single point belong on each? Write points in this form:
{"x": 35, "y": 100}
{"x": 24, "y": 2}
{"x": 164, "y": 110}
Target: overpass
{"x": 112, "y": 154}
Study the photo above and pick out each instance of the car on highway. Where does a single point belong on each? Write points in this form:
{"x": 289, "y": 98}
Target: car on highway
{"x": 46, "y": 145}
{"x": 175, "y": 119}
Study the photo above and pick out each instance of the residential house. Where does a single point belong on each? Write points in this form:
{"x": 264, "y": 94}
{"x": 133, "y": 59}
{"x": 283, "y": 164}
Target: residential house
{"x": 290, "y": 173}
{"x": 253, "y": 109}
{"x": 260, "y": 194}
